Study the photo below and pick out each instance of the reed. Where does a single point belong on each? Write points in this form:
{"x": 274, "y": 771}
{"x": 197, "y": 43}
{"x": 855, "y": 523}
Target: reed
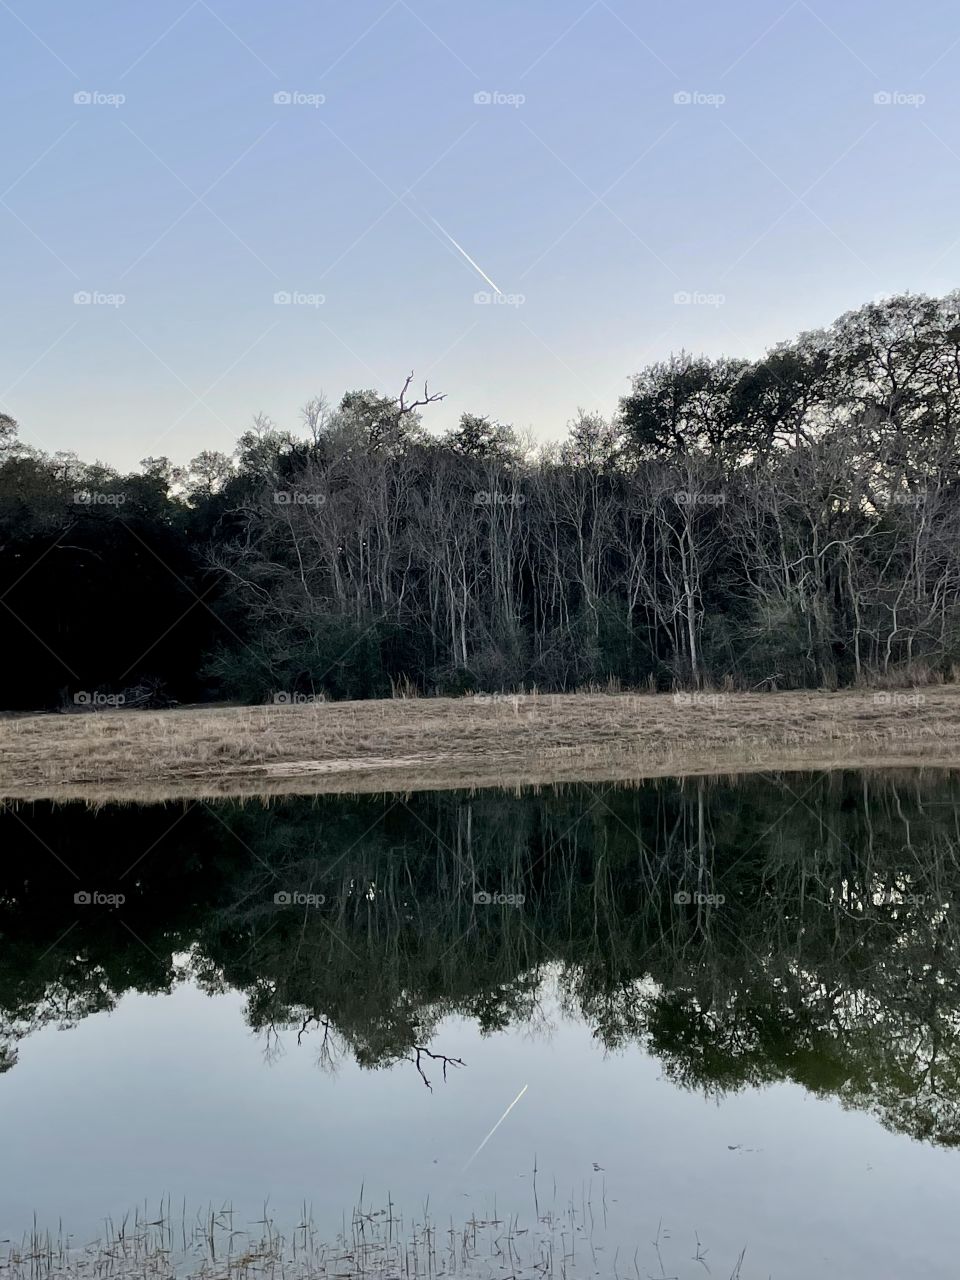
{"x": 379, "y": 1244}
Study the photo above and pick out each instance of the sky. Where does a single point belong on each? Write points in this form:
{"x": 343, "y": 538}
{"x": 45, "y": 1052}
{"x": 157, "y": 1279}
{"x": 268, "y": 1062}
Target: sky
{"x": 211, "y": 209}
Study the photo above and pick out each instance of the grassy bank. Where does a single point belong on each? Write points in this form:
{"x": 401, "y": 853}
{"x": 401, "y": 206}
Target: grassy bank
{"x": 437, "y": 743}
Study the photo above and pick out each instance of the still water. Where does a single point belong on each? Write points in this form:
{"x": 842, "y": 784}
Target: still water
{"x": 717, "y": 1014}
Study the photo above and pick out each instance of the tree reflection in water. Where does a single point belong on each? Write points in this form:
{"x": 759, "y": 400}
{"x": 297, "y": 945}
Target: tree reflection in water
{"x": 792, "y": 927}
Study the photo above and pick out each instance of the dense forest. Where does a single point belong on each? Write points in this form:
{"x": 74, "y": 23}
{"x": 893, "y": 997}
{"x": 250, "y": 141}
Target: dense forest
{"x": 790, "y": 521}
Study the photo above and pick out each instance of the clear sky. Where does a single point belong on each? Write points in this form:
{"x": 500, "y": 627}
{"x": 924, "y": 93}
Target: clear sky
{"x": 778, "y": 195}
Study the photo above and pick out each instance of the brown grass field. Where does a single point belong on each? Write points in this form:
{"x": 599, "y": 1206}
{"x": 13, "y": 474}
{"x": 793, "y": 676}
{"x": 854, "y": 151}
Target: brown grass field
{"x": 409, "y": 744}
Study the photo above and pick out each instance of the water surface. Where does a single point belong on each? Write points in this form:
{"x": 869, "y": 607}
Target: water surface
{"x": 729, "y": 1012}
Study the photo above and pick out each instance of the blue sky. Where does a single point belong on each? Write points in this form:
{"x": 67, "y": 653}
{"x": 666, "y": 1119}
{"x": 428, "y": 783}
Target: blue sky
{"x": 780, "y": 195}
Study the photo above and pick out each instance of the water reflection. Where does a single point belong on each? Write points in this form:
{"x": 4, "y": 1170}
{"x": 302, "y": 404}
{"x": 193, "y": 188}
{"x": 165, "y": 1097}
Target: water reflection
{"x": 793, "y": 927}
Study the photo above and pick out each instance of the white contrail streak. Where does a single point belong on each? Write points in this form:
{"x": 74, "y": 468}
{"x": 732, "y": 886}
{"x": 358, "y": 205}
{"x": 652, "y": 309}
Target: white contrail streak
{"x": 494, "y": 1129}
{"x": 460, "y": 249}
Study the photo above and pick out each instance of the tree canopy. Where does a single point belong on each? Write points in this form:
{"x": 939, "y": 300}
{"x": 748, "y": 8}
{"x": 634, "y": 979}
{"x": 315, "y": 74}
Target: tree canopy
{"x": 790, "y": 520}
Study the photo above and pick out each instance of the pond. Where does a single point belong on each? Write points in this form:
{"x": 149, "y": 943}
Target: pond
{"x": 704, "y": 1016}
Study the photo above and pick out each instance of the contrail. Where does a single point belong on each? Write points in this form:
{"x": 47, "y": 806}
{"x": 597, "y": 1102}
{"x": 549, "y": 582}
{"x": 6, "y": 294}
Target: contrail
{"x": 460, "y": 249}
{"x": 494, "y": 1129}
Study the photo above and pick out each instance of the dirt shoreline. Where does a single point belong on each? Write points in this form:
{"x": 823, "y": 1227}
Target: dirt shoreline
{"x": 405, "y": 745}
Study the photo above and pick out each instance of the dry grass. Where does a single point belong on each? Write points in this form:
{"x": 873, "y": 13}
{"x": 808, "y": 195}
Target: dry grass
{"x": 555, "y": 1243}
{"x": 439, "y": 743}
{"x": 377, "y": 1245}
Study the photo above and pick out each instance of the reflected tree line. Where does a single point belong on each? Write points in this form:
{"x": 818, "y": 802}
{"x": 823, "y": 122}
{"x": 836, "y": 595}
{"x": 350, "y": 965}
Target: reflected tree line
{"x": 794, "y": 927}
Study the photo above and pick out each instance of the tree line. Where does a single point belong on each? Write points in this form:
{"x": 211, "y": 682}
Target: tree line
{"x": 785, "y": 522}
